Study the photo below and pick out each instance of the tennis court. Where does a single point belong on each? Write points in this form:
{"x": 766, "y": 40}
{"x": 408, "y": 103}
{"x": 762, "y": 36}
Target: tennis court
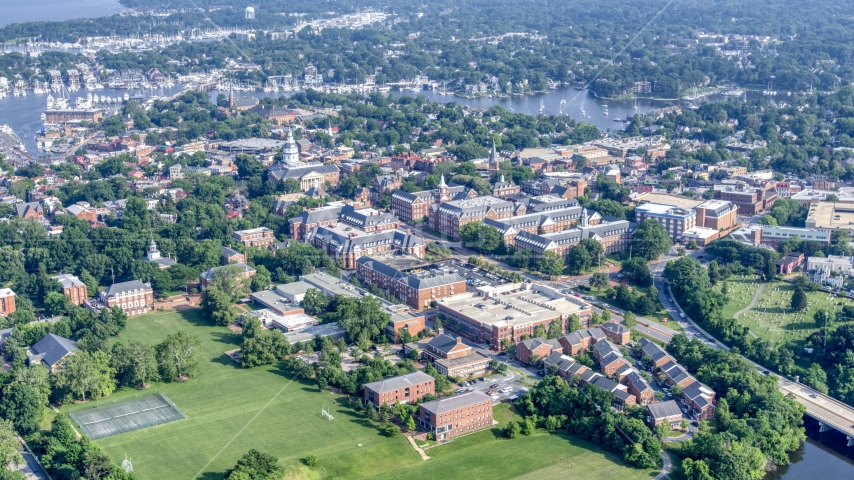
{"x": 127, "y": 416}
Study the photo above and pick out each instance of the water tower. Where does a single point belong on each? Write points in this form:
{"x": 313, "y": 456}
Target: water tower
{"x": 250, "y": 13}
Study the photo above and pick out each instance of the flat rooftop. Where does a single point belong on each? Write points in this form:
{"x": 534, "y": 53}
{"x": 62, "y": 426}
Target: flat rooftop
{"x": 511, "y": 305}
{"x": 331, "y": 285}
{"x": 830, "y": 215}
{"x": 672, "y": 200}
{"x": 660, "y": 209}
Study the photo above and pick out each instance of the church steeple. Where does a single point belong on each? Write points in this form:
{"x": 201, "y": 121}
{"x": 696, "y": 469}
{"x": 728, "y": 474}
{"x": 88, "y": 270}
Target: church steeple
{"x": 493, "y": 158}
{"x": 584, "y": 218}
{"x": 442, "y": 194}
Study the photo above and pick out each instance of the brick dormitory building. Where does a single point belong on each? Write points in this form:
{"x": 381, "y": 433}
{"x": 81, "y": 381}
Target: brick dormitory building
{"x": 405, "y": 278}
{"x": 457, "y": 415}
{"x": 407, "y": 388}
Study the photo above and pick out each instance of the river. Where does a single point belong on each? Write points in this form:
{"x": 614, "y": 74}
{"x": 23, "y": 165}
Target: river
{"x": 23, "y": 114}
{"x": 20, "y": 11}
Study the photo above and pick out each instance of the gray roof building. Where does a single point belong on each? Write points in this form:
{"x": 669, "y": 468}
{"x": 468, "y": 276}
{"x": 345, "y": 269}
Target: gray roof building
{"x": 68, "y": 281}
{"x": 402, "y": 381}
{"x": 449, "y": 404}
{"x": 51, "y": 349}
{"x": 125, "y": 287}
{"x": 664, "y": 409}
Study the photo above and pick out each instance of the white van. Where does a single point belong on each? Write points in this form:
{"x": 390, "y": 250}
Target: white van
{"x": 506, "y": 390}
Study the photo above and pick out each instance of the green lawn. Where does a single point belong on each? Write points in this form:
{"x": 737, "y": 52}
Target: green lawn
{"x": 230, "y": 410}
{"x": 771, "y": 318}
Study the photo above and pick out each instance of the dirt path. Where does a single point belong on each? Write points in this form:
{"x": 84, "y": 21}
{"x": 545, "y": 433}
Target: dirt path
{"x": 417, "y": 448}
{"x": 752, "y": 304}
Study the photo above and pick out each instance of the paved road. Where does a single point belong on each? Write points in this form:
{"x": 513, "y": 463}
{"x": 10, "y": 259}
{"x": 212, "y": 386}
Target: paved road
{"x": 31, "y": 468}
{"x": 667, "y": 468}
{"x": 752, "y": 304}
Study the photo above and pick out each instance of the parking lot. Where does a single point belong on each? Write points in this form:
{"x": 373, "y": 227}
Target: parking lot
{"x": 500, "y": 387}
{"x": 474, "y": 276}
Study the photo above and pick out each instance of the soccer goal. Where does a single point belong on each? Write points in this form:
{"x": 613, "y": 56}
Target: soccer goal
{"x": 325, "y": 413}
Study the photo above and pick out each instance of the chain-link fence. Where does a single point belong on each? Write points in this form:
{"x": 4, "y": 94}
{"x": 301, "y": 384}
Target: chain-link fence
{"x": 108, "y": 420}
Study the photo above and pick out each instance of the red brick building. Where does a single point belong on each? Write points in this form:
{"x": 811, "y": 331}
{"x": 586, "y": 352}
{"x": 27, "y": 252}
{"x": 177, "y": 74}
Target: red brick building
{"x": 407, "y": 388}
{"x": 72, "y": 288}
{"x": 449, "y": 217}
{"x": 7, "y": 301}
{"x": 457, "y": 415}
{"x": 533, "y": 350}
{"x": 749, "y": 200}
{"x": 581, "y": 340}
{"x": 255, "y": 237}
{"x": 409, "y": 206}
{"x": 413, "y": 324}
{"x": 418, "y": 289}
{"x": 616, "y": 332}
{"x": 134, "y": 297}
{"x": 639, "y": 387}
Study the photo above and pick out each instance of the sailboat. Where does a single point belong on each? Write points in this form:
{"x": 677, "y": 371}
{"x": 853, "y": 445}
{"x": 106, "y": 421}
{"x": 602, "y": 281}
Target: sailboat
{"x": 542, "y": 106}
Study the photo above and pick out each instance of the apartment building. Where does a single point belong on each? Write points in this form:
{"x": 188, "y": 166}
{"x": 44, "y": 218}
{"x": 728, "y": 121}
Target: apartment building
{"x": 449, "y": 355}
{"x": 664, "y": 413}
{"x": 72, "y": 288}
{"x": 255, "y": 237}
{"x": 407, "y": 388}
{"x": 134, "y": 297}
{"x": 639, "y": 387}
{"x": 403, "y": 277}
{"x": 457, "y": 415}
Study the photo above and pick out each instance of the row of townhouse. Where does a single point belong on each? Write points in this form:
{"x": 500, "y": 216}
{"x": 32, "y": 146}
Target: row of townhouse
{"x": 572, "y": 343}
{"x": 698, "y": 399}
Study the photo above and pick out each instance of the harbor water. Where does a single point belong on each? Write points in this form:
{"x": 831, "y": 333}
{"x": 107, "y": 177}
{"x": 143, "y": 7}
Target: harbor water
{"x": 20, "y": 11}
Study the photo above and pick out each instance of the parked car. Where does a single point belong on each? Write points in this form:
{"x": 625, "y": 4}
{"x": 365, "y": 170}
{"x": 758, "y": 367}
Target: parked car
{"x": 494, "y": 386}
{"x": 506, "y": 390}
{"x": 491, "y": 392}
{"x": 681, "y": 315}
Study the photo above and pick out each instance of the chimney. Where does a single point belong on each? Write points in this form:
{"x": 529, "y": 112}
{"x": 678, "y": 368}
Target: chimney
{"x": 408, "y": 231}
{"x": 459, "y": 340}
{"x": 440, "y": 331}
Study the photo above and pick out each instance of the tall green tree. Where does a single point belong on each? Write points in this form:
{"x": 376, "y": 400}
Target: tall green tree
{"x": 650, "y": 240}
{"x": 178, "y": 356}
